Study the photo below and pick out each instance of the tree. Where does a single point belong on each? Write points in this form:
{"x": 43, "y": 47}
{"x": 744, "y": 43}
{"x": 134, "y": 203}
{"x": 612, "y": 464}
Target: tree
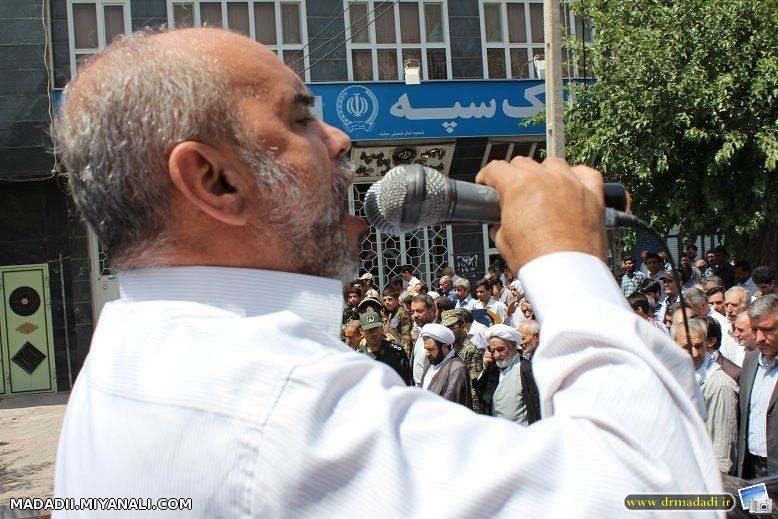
{"x": 683, "y": 113}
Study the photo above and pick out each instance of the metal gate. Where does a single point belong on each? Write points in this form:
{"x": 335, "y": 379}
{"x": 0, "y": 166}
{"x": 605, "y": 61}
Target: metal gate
{"x": 427, "y": 249}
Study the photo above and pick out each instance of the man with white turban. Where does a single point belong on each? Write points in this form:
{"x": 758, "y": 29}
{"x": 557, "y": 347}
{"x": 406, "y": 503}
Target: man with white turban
{"x": 446, "y": 375}
{"x": 507, "y": 400}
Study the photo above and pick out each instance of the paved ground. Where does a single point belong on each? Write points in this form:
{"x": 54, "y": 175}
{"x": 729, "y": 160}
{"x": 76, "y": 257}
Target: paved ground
{"x": 29, "y": 431}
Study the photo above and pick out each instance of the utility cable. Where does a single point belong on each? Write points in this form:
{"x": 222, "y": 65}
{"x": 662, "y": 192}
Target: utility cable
{"x": 346, "y": 40}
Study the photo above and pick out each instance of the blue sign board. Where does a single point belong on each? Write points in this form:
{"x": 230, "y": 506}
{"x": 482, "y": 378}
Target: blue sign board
{"x": 433, "y": 109}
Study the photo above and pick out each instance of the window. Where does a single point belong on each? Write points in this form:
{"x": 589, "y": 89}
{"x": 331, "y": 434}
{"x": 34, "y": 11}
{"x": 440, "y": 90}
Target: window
{"x": 381, "y": 36}
{"x": 277, "y": 24}
{"x": 512, "y": 34}
{"x": 93, "y": 25}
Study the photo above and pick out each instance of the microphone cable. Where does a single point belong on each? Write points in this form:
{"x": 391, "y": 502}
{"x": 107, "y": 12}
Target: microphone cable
{"x": 615, "y": 219}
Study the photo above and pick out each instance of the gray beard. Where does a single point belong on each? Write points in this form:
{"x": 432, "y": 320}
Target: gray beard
{"x": 504, "y": 363}
{"x": 320, "y": 248}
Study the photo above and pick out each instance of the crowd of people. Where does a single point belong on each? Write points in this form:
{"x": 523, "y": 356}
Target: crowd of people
{"x": 432, "y": 339}
{"x": 475, "y": 351}
{"x": 732, "y": 336}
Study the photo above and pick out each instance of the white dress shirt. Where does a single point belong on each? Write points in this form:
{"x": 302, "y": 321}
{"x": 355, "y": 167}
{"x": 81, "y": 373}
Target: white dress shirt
{"x": 198, "y": 387}
{"x": 730, "y": 346}
{"x": 419, "y": 360}
{"x": 477, "y": 335}
{"x": 495, "y": 306}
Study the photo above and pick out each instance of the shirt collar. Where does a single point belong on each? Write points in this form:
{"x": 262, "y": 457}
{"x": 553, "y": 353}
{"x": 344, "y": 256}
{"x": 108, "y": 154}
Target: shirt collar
{"x": 246, "y": 292}
{"x": 764, "y": 363}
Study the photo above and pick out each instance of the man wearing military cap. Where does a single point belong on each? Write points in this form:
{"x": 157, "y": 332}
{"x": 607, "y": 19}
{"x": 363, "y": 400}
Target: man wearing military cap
{"x": 382, "y": 350}
{"x": 370, "y": 304}
{"x": 466, "y": 351}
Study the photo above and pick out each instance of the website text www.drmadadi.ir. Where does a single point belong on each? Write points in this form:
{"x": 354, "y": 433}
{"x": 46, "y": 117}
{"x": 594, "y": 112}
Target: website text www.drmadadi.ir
{"x": 679, "y": 502}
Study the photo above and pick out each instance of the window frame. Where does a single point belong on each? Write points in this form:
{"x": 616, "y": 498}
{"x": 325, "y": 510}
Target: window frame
{"x": 101, "y": 43}
{"x": 279, "y": 48}
{"x": 506, "y": 46}
{"x": 398, "y": 47}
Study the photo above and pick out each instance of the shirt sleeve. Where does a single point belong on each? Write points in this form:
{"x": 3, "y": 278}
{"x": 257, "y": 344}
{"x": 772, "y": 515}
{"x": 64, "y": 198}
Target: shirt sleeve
{"x": 622, "y": 415}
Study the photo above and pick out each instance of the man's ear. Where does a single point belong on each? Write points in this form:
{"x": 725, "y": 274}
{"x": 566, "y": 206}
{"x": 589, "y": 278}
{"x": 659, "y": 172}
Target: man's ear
{"x": 206, "y": 177}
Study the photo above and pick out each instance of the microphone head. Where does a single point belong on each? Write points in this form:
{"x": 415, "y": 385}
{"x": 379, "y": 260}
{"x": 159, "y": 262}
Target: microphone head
{"x": 407, "y": 198}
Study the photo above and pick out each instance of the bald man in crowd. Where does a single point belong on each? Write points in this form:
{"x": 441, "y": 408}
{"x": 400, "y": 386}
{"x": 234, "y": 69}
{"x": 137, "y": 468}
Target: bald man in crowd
{"x": 184, "y": 150}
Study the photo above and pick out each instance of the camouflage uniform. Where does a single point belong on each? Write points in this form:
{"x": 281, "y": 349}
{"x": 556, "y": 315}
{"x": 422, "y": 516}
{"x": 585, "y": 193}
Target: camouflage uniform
{"x": 399, "y": 326}
{"x": 474, "y": 361}
{"x": 393, "y": 356}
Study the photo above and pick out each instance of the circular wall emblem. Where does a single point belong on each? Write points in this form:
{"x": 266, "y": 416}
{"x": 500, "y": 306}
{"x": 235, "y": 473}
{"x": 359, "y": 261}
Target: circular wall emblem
{"x": 357, "y": 108}
{"x": 404, "y": 155}
{"x": 24, "y": 301}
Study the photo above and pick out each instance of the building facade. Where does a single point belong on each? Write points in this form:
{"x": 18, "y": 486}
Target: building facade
{"x": 478, "y": 87}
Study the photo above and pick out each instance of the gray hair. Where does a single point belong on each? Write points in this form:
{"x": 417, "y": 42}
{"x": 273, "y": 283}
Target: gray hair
{"x": 713, "y": 281}
{"x": 121, "y": 117}
{"x": 445, "y": 279}
{"x": 763, "y": 305}
{"x": 695, "y": 324}
{"x": 462, "y": 283}
{"x": 742, "y": 290}
{"x": 695, "y": 296}
{"x": 119, "y": 120}
{"x": 531, "y": 325}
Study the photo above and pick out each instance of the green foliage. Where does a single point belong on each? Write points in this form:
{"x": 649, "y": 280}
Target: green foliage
{"x": 683, "y": 110}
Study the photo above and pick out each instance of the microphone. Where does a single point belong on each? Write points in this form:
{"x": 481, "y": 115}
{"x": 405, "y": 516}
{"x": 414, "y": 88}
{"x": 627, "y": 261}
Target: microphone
{"x": 413, "y": 196}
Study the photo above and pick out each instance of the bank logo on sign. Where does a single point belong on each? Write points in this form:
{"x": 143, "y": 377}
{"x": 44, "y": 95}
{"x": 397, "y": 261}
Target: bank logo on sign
{"x": 357, "y": 108}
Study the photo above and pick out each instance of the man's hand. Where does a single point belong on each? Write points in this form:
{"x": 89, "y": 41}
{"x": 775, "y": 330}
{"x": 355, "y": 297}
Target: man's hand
{"x": 546, "y": 208}
{"x": 488, "y": 359}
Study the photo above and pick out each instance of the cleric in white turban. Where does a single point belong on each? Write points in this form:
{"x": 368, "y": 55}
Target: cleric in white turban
{"x": 502, "y": 331}
{"x": 438, "y": 332}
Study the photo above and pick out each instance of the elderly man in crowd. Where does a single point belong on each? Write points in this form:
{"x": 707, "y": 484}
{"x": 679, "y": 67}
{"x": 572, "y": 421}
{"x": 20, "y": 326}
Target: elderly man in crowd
{"x": 719, "y": 391}
{"x": 698, "y": 302}
{"x": 462, "y": 291}
{"x": 446, "y": 375}
{"x": 530, "y": 337}
{"x": 446, "y": 286}
{"x": 502, "y": 364}
{"x": 736, "y": 300}
{"x": 741, "y": 330}
{"x": 184, "y": 150}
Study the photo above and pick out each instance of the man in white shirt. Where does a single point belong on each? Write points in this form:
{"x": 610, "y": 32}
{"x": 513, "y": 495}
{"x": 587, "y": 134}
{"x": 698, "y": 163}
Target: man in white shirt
{"x": 484, "y": 300}
{"x": 184, "y": 149}
{"x": 407, "y": 273}
{"x": 423, "y": 311}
